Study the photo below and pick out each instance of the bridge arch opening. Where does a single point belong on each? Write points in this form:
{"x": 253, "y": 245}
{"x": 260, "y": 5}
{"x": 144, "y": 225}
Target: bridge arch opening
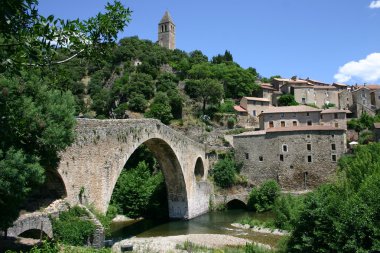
{"x": 236, "y": 204}
{"x": 52, "y": 189}
{"x": 159, "y": 157}
{"x": 34, "y": 234}
{"x": 199, "y": 170}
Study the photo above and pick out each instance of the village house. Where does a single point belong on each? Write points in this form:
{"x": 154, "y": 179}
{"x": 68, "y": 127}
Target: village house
{"x": 362, "y": 101}
{"x": 298, "y": 158}
{"x": 296, "y": 145}
{"x": 286, "y": 116}
{"x": 254, "y": 105}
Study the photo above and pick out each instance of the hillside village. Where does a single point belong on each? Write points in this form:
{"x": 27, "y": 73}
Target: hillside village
{"x": 135, "y": 131}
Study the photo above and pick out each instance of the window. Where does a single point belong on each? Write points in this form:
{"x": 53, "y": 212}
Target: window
{"x": 294, "y": 123}
{"x": 308, "y": 146}
{"x": 308, "y": 136}
{"x": 309, "y": 123}
{"x": 333, "y": 158}
{"x": 333, "y": 146}
{"x": 336, "y": 124}
{"x": 308, "y": 114}
{"x": 166, "y": 28}
{"x": 282, "y": 115}
{"x": 285, "y": 148}
{"x": 281, "y": 158}
{"x": 282, "y": 123}
{"x": 335, "y": 115}
{"x": 309, "y": 159}
{"x": 254, "y": 112}
{"x": 261, "y": 158}
{"x": 321, "y": 116}
{"x": 246, "y": 156}
{"x": 303, "y": 100}
{"x": 271, "y": 124}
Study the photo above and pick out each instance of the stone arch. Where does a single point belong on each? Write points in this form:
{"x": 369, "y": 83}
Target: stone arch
{"x": 173, "y": 174}
{"x": 199, "y": 170}
{"x": 236, "y": 204}
{"x": 31, "y": 222}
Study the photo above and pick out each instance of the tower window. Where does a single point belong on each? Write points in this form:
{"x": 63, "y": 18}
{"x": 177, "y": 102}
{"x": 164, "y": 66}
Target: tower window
{"x": 285, "y": 148}
{"x": 282, "y": 123}
{"x": 281, "y": 158}
{"x": 333, "y": 158}
{"x": 246, "y": 156}
{"x": 294, "y": 123}
{"x": 307, "y": 114}
{"x": 309, "y": 159}
{"x": 333, "y": 146}
{"x": 309, "y": 123}
{"x": 261, "y": 158}
{"x": 309, "y": 146}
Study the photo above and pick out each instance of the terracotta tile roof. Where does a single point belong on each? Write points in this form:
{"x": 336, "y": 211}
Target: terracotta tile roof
{"x": 376, "y": 125}
{"x": 334, "y": 110}
{"x": 267, "y": 87}
{"x": 288, "y": 80}
{"x": 294, "y": 108}
{"x": 257, "y": 99}
{"x": 251, "y": 133}
{"x": 316, "y": 82}
{"x": 238, "y": 108}
{"x": 303, "y": 128}
{"x": 325, "y": 87}
{"x": 340, "y": 84}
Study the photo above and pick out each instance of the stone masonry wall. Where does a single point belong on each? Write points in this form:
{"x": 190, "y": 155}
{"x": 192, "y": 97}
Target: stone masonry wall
{"x": 261, "y": 157}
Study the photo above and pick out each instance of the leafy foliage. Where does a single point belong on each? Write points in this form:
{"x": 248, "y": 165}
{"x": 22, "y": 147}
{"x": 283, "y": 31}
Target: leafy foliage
{"x": 287, "y": 100}
{"x": 137, "y": 192}
{"x": 287, "y": 209}
{"x": 225, "y": 171}
{"x": 262, "y": 198}
{"x": 160, "y": 108}
{"x": 73, "y": 227}
{"x": 343, "y": 217}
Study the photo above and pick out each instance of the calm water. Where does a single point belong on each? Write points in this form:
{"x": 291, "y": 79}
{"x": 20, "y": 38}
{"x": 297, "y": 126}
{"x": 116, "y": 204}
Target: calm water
{"x": 210, "y": 223}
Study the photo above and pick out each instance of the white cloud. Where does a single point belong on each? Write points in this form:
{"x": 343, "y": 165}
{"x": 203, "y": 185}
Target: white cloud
{"x": 374, "y": 4}
{"x": 365, "y": 70}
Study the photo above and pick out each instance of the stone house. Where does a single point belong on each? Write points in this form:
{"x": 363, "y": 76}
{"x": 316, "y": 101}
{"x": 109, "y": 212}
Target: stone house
{"x": 345, "y": 100}
{"x": 289, "y": 116}
{"x": 254, "y": 105}
{"x": 266, "y": 91}
{"x": 362, "y": 102}
{"x": 335, "y": 118}
{"x": 298, "y": 157}
{"x": 340, "y": 86}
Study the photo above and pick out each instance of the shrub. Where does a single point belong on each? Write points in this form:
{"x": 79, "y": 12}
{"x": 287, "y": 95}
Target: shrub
{"x": 73, "y": 227}
{"x": 287, "y": 100}
{"x": 231, "y": 122}
{"x": 287, "y": 210}
{"x": 366, "y": 137}
{"x": 224, "y": 172}
{"x": 227, "y": 106}
{"x": 262, "y": 199}
{"x": 137, "y": 103}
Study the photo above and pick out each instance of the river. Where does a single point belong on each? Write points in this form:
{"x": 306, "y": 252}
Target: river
{"x": 210, "y": 223}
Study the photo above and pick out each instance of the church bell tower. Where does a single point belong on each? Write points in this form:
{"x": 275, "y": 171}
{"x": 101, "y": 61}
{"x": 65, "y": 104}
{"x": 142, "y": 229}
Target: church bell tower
{"x": 166, "y": 32}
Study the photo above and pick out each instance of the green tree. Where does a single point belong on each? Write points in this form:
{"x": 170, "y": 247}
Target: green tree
{"x": 206, "y": 90}
{"x": 225, "y": 171}
{"x": 262, "y": 198}
{"x": 287, "y": 100}
{"x": 137, "y": 103}
{"x": 135, "y": 190}
{"x": 160, "y": 108}
{"x": 30, "y": 39}
{"x": 343, "y": 216}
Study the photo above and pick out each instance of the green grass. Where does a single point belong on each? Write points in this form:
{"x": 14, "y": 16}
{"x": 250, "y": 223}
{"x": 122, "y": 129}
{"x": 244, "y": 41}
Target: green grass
{"x": 258, "y": 223}
{"x": 248, "y": 248}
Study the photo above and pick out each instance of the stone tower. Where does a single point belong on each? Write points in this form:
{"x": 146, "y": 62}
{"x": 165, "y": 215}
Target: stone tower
{"x": 166, "y": 32}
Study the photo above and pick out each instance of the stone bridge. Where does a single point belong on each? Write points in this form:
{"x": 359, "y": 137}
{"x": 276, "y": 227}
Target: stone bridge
{"x": 225, "y": 200}
{"x": 34, "y": 221}
{"x": 90, "y": 167}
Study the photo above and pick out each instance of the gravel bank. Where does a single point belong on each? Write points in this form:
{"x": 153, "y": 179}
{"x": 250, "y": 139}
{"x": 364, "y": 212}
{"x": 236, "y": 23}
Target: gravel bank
{"x": 168, "y": 243}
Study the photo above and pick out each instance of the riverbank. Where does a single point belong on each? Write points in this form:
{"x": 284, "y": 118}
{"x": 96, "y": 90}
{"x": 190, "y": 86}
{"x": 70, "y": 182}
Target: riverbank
{"x": 169, "y": 243}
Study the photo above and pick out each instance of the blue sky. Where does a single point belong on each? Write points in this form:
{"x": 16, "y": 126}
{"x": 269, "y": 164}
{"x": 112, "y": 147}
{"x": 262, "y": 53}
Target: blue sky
{"x": 326, "y": 40}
